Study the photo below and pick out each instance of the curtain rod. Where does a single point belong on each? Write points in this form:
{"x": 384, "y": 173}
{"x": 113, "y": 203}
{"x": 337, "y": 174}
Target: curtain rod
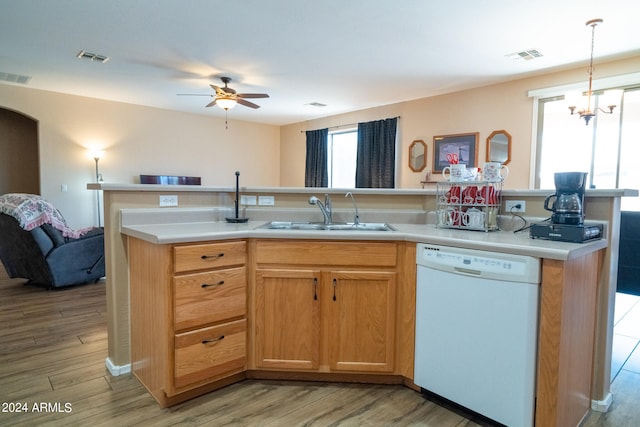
{"x": 349, "y": 124}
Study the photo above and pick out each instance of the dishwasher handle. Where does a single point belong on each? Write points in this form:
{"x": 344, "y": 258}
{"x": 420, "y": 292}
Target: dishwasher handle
{"x": 468, "y": 271}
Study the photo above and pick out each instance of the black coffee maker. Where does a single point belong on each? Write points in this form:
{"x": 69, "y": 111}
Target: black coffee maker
{"x": 567, "y": 204}
{"x": 568, "y": 200}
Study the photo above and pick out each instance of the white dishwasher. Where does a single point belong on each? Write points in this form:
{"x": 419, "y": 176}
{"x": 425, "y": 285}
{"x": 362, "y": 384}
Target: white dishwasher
{"x": 476, "y": 330}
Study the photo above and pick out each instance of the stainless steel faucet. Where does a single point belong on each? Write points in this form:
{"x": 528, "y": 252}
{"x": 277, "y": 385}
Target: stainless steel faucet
{"x": 356, "y": 217}
{"x": 325, "y": 208}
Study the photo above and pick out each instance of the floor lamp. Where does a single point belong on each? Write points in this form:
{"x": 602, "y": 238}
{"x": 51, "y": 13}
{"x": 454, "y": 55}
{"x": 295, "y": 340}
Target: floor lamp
{"x": 97, "y": 155}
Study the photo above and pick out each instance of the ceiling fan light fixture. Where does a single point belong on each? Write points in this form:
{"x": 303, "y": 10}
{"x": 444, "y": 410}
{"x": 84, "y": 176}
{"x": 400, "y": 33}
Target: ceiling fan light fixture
{"x": 226, "y": 102}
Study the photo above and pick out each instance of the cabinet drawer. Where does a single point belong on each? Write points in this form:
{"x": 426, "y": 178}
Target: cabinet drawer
{"x": 335, "y": 254}
{"x": 208, "y": 353}
{"x": 209, "y": 255}
{"x": 209, "y": 297}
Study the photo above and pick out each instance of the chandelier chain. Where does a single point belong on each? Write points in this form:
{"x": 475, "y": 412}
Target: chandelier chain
{"x": 593, "y": 24}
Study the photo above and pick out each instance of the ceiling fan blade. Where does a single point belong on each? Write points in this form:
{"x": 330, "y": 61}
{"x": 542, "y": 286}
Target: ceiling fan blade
{"x": 219, "y": 91}
{"x": 194, "y": 94}
{"x": 247, "y": 103}
{"x": 212, "y": 103}
{"x": 253, "y": 95}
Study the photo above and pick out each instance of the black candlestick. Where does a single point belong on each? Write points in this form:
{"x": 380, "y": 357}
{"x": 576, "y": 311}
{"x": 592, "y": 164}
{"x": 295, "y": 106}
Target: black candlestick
{"x": 236, "y": 203}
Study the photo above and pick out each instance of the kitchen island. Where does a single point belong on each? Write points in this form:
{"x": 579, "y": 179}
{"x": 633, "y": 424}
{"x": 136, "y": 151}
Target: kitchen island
{"x": 281, "y": 262}
{"x": 562, "y": 260}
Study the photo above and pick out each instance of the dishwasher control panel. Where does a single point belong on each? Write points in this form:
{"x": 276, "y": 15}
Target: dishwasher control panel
{"x": 471, "y": 262}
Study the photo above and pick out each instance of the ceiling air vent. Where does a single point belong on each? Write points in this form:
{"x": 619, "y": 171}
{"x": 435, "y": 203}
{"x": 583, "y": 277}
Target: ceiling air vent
{"x": 317, "y": 104}
{"x": 527, "y": 55}
{"x": 14, "y": 78}
{"x": 83, "y": 54}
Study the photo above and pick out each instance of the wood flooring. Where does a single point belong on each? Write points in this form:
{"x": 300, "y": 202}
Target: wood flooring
{"x": 53, "y": 345}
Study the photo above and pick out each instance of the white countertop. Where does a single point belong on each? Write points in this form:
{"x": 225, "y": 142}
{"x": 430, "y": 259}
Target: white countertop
{"x": 496, "y": 241}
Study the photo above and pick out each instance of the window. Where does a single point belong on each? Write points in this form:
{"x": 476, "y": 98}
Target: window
{"x": 629, "y": 174}
{"x": 607, "y": 148}
{"x": 341, "y": 158}
{"x": 362, "y": 157}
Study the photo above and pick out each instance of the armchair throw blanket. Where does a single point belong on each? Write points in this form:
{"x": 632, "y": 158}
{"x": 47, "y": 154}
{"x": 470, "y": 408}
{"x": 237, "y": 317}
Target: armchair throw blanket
{"x": 37, "y": 244}
{"x": 32, "y": 211}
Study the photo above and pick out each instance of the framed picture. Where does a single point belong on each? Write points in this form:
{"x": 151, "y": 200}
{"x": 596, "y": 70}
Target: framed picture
{"x": 464, "y": 145}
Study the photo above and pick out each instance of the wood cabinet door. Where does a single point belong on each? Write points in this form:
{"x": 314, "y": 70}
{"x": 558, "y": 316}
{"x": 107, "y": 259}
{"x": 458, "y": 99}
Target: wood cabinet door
{"x": 362, "y": 320}
{"x": 287, "y": 321}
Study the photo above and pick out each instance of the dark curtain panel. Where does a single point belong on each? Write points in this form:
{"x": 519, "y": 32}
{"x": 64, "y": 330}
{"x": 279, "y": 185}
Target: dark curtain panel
{"x": 376, "y": 162}
{"x": 316, "y": 174}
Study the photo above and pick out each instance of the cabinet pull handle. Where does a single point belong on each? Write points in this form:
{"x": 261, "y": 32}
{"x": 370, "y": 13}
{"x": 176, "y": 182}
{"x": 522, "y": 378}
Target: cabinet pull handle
{"x": 220, "y": 255}
{"x": 315, "y": 288}
{"x": 335, "y": 284}
{"x": 208, "y": 285}
{"x": 213, "y": 341}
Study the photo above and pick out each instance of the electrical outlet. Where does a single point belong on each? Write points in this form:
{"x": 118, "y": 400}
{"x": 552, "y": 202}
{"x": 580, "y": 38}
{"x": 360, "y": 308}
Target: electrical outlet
{"x": 266, "y": 200}
{"x": 168, "y": 200}
{"x": 510, "y": 206}
{"x": 247, "y": 200}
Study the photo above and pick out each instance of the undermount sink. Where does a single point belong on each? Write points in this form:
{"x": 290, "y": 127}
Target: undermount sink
{"x": 336, "y": 226}
{"x": 362, "y": 226}
{"x": 288, "y": 225}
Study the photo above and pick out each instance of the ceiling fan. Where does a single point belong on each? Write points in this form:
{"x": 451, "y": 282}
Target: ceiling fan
{"x": 227, "y": 97}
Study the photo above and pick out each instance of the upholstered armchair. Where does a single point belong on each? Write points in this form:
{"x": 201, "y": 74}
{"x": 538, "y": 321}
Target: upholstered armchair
{"x": 36, "y": 244}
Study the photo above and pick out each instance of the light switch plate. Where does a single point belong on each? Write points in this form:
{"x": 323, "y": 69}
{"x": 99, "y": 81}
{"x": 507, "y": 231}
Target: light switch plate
{"x": 247, "y": 200}
{"x": 266, "y": 200}
{"x": 166, "y": 200}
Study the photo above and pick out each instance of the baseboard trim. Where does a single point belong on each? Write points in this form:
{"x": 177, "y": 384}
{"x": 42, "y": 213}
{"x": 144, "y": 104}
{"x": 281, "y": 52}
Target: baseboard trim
{"x": 602, "y": 405}
{"x": 117, "y": 370}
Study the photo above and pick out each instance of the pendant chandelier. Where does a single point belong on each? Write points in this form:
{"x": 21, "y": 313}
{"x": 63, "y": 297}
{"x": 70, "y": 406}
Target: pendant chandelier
{"x": 609, "y": 97}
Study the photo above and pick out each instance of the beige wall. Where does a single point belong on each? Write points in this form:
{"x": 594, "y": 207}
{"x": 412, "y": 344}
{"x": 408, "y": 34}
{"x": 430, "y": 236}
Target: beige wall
{"x": 485, "y": 109}
{"x": 137, "y": 140}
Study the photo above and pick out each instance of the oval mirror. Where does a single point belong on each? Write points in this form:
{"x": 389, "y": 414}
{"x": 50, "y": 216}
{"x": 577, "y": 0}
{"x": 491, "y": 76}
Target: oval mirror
{"x": 417, "y": 155}
{"x": 499, "y": 147}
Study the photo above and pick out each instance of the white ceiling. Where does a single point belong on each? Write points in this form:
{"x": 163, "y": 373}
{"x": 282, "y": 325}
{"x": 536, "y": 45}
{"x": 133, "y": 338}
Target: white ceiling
{"x": 347, "y": 54}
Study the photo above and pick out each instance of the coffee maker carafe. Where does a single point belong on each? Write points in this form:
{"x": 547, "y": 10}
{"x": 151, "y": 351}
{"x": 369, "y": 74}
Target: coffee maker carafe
{"x": 568, "y": 200}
